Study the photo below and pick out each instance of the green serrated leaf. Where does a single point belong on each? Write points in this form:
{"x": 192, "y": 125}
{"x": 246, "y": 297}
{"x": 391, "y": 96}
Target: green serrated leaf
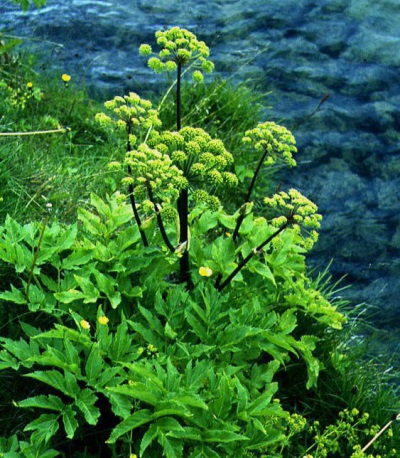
{"x": 121, "y": 342}
{"x": 94, "y": 364}
{"x": 148, "y": 335}
{"x": 43, "y": 402}
{"x": 77, "y": 258}
{"x": 222, "y": 402}
{"x": 203, "y": 451}
{"x": 15, "y": 295}
{"x": 221, "y": 435}
{"x": 121, "y": 405}
{"x": 91, "y": 222}
{"x": 139, "y": 391}
{"x": 71, "y": 353}
{"x": 66, "y": 297}
{"x": 69, "y": 421}
{"x": 107, "y": 285}
{"x": 263, "y": 270}
{"x": 152, "y": 320}
{"x": 148, "y": 438}
{"x": 169, "y": 332}
{"x": 62, "y": 332}
{"x": 54, "y": 379}
{"x": 44, "y": 428}
{"x": 86, "y": 404}
{"x": 197, "y": 328}
{"x": 172, "y": 447}
{"x": 91, "y": 293}
{"x": 67, "y": 238}
{"x": 139, "y": 418}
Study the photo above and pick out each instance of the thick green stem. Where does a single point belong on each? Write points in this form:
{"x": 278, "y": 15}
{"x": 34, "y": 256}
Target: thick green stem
{"x": 244, "y": 261}
{"x": 247, "y": 198}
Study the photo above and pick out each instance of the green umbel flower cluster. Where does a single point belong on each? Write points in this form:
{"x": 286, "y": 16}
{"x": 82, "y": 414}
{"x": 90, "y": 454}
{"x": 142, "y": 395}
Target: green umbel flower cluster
{"x": 154, "y": 171}
{"x": 202, "y": 197}
{"x": 200, "y": 157}
{"x": 131, "y": 114}
{"x": 299, "y": 211}
{"x": 179, "y": 47}
{"x": 277, "y": 141}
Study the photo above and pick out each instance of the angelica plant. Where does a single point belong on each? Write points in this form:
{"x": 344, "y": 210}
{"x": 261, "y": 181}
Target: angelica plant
{"x": 188, "y": 166}
{"x": 134, "y": 117}
{"x": 275, "y": 143}
{"x": 296, "y": 211}
{"x": 183, "y": 353}
{"x": 180, "y": 48}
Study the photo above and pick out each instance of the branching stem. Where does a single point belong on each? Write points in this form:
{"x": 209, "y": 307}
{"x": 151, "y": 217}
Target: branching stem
{"x": 245, "y": 260}
{"x": 178, "y": 97}
{"x": 247, "y": 198}
{"x": 183, "y": 200}
{"x": 159, "y": 220}
{"x": 131, "y": 191}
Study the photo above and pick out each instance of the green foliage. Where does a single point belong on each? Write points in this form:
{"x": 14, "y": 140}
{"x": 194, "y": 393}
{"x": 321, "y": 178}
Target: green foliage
{"x": 159, "y": 322}
{"x": 344, "y": 438}
{"x": 25, "y": 4}
{"x": 199, "y": 369}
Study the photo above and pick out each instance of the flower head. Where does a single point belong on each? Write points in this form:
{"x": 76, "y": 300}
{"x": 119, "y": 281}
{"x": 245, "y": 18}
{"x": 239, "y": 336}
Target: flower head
{"x": 103, "y": 320}
{"x": 29, "y": 85}
{"x": 276, "y": 140}
{"x": 205, "y": 271}
{"x": 66, "y": 79}
{"x": 179, "y": 47}
{"x": 132, "y": 115}
{"x": 297, "y": 210}
{"x": 151, "y": 168}
{"x": 84, "y": 324}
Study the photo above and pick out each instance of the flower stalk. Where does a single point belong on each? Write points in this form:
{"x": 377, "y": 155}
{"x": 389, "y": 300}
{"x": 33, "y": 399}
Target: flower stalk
{"x": 220, "y": 286}
{"x": 131, "y": 190}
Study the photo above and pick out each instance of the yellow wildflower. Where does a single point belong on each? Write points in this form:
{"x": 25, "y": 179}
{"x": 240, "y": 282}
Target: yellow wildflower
{"x": 103, "y": 319}
{"x": 205, "y": 272}
{"x": 29, "y": 85}
{"x": 66, "y": 78}
{"x": 85, "y": 324}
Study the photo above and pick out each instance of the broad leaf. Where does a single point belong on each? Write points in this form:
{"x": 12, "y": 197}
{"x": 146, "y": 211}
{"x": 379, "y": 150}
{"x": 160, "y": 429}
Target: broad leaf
{"x": 139, "y": 418}
{"x": 86, "y": 404}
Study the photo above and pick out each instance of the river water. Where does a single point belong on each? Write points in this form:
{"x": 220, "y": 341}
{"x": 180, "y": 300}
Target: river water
{"x": 300, "y": 50}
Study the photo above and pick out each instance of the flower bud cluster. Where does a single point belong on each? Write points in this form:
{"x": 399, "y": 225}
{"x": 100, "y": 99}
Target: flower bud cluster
{"x": 178, "y": 47}
{"x": 299, "y": 211}
{"x": 130, "y": 112}
{"x": 200, "y": 157}
{"x": 151, "y": 168}
{"x": 276, "y": 140}
{"x": 203, "y": 160}
{"x": 202, "y": 197}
